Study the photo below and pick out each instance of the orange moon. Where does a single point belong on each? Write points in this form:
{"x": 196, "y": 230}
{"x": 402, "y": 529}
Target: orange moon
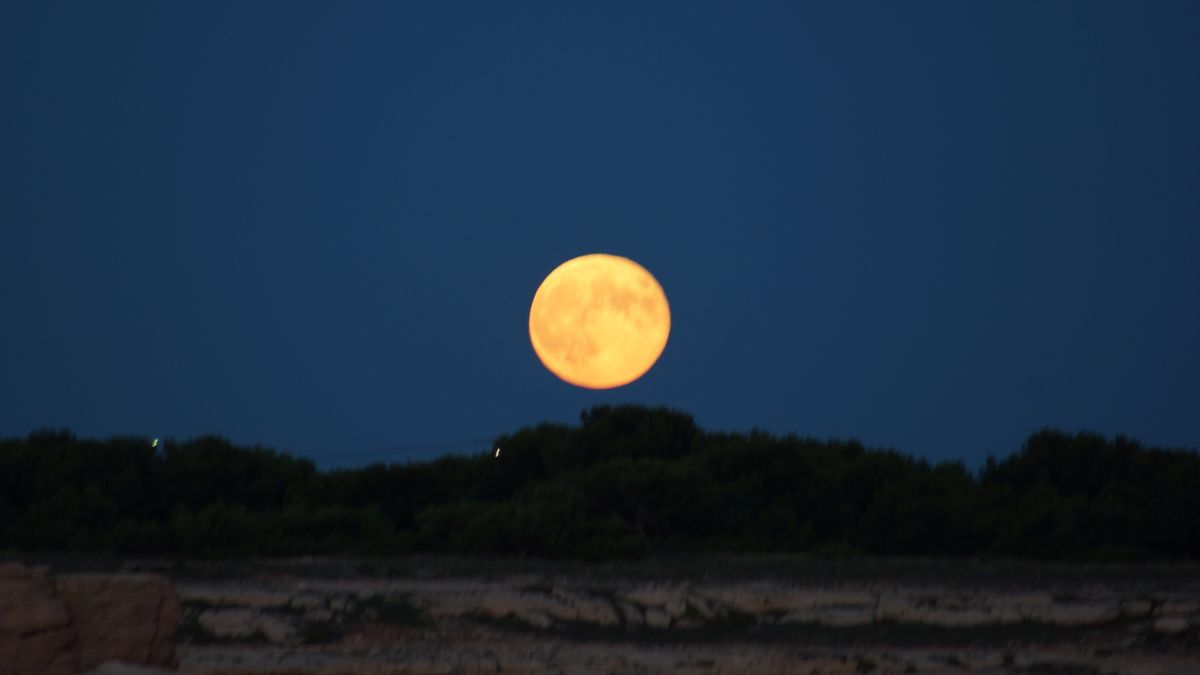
{"x": 599, "y": 321}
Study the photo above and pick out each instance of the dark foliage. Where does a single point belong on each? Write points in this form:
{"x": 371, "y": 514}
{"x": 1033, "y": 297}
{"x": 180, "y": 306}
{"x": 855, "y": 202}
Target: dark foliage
{"x": 627, "y": 482}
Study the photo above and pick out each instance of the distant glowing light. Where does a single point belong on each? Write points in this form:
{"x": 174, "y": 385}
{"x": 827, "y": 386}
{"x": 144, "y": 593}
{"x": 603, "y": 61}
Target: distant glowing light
{"x": 599, "y": 321}
{"x": 154, "y": 443}
{"x": 497, "y": 453}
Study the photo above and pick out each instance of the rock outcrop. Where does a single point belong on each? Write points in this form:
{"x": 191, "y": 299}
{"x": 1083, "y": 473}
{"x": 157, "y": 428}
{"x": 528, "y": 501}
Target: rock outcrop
{"x": 121, "y": 617}
{"x": 591, "y": 624}
{"x": 245, "y": 624}
{"x": 76, "y": 623}
{"x": 36, "y": 634}
{"x": 626, "y": 605}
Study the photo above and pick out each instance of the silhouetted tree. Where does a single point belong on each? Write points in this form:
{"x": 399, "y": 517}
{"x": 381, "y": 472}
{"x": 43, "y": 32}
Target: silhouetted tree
{"x": 626, "y": 482}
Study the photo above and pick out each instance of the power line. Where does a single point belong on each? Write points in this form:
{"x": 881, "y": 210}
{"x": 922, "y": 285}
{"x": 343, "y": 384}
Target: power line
{"x": 407, "y": 450}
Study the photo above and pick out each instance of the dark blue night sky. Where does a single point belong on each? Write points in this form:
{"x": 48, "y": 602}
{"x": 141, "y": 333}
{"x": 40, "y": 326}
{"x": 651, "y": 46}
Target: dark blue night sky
{"x": 318, "y": 226}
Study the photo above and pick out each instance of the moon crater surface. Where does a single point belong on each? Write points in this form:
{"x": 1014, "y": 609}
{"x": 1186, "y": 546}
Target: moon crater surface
{"x": 599, "y": 321}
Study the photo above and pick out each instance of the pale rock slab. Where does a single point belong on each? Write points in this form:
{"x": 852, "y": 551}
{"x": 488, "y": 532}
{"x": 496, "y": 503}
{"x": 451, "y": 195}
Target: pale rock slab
{"x": 672, "y": 599}
{"x": 241, "y": 623}
{"x": 632, "y": 616}
{"x": 1170, "y": 625}
{"x": 588, "y": 609}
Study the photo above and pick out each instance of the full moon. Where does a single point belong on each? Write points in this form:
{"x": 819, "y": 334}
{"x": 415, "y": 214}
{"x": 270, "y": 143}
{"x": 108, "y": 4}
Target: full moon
{"x": 599, "y": 321}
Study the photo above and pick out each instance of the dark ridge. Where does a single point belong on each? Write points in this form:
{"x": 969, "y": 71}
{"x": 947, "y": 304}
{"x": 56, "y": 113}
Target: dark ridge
{"x": 627, "y": 483}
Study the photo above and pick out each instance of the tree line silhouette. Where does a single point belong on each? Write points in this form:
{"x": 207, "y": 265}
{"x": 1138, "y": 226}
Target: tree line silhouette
{"x": 627, "y": 482}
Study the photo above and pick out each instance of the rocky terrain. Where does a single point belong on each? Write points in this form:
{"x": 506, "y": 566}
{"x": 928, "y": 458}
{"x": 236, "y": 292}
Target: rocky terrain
{"x": 699, "y": 616}
{"x": 78, "y": 622}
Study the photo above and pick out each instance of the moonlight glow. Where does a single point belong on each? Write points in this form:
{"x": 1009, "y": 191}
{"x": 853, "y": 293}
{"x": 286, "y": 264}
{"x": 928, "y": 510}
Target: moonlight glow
{"x": 599, "y": 321}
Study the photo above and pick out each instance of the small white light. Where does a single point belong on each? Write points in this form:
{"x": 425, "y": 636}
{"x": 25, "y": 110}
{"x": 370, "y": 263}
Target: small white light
{"x": 154, "y": 443}
{"x": 497, "y": 452}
